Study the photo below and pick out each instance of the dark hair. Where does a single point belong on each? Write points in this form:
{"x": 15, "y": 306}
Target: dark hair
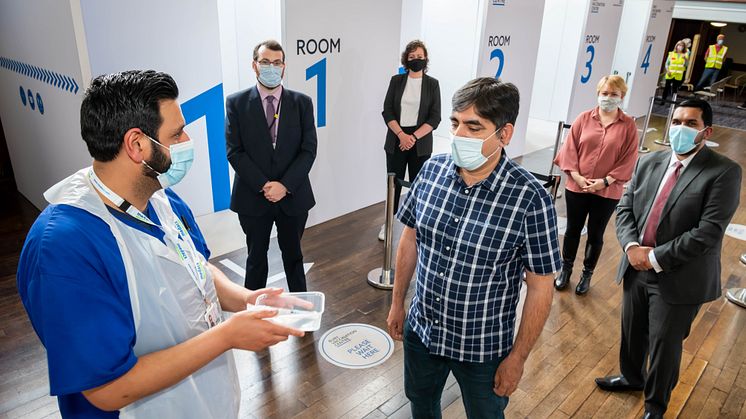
{"x": 411, "y": 47}
{"x": 270, "y": 44}
{"x": 492, "y": 99}
{"x": 116, "y": 103}
{"x": 702, "y": 105}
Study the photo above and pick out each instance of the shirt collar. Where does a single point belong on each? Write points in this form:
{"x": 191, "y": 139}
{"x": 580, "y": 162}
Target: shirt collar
{"x": 684, "y": 162}
{"x": 594, "y": 115}
{"x": 264, "y": 92}
{"x": 492, "y": 182}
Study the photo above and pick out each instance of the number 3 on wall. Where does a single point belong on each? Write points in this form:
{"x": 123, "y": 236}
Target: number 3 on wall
{"x": 646, "y": 60}
{"x": 498, "y": 53}
{"x": 319, "y": 69}
{"x": 588, "y": 64}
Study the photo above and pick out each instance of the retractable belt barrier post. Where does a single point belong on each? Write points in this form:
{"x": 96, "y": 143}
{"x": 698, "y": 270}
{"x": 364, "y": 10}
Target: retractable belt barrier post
{"x": 664, "y": 140}
{"x": 644, "y": 149}
{"x": 561, "y": 127}
{"x": 383, "y": 278}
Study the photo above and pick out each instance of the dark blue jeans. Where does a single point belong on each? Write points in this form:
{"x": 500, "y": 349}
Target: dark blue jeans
{"x": 425, "y": 376}
{"x": 709, "y": 76}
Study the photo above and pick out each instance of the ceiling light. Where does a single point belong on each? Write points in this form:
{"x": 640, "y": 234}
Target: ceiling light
{"x": 718, "y": 24}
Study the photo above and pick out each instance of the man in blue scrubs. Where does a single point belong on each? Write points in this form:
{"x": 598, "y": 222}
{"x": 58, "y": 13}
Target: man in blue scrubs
{"x": 114, "y": 273}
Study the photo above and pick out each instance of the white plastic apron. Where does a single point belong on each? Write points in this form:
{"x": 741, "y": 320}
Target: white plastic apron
{"x": 167, "y": 308}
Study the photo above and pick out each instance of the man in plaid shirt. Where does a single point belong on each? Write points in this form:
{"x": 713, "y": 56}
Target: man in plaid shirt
{"x": 474, "y": 221}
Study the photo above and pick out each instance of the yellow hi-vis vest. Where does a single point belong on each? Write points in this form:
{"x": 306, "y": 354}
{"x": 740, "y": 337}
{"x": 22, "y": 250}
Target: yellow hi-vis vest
{"x": 676, "y": 66}
{"x": 714, "y": 58}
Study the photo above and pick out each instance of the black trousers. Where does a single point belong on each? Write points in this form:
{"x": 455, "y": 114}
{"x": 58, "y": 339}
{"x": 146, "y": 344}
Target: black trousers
{"x": 582, "y": 206}
{"x": 652, "y": 328}
{"x": 400, "y": 161}
{"x": 672, "y": 86}
{"x": 289, "y": 233}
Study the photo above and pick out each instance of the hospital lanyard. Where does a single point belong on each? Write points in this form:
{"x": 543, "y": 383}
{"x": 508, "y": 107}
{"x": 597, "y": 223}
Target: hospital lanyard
{"x": 187, "y": 257}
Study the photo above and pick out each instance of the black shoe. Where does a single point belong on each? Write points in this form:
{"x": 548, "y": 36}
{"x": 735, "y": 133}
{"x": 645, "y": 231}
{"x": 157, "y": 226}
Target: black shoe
{"x": 651, "y": 415}
{"x": 561, "y": 281}
{"x": 585, "y": 282}
{"x": 616, "y": 383}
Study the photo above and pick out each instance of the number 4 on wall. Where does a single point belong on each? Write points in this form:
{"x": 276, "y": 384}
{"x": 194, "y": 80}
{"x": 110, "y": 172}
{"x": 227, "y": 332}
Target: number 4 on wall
{"x": 319, "y": 69}
{"x": 646, "y": 60}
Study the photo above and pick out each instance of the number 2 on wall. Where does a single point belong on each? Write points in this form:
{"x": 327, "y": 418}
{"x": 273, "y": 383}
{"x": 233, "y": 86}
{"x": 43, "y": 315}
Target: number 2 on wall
{"x": 588, "y": 64}
{"x": 319, "y": 69}
{"x": 646, "y": 60}
{"x": 498, "y": 53}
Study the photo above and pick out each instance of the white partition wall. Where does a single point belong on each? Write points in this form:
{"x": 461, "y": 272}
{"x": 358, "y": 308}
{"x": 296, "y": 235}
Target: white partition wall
{"x": 596, "y": 52}
{"x": 42, "y": 81}
{"x": 342, "y": 54}
{"x": 641, "y": 49}
{"x": 562, "y": 27}
{"x": 508, "y": 43}
{"x": 450, "y": 30}
{"x": 121, "y": 37}
{"x": 578, "y": 40}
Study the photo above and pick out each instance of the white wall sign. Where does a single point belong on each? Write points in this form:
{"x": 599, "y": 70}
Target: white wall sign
{"x": 508, "y": 47}
{"x": 645, "y": 78}
{"x": 595, "y": 54}
{"x": 356, "y": 346}
{"x": 333, "y": 56}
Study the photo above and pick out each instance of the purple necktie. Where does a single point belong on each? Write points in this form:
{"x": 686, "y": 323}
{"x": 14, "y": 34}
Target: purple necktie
{"x": 270, "y": 114}
{"x": 648, "y": 237}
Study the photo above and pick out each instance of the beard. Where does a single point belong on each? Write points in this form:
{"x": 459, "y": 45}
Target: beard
{"x": 157, "y": 164}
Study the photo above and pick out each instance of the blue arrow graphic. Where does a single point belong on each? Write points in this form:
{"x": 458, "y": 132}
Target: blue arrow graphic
{"x": 76, "y": 86}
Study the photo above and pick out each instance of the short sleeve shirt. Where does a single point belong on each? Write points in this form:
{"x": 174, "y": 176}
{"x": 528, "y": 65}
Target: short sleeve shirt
{"x": 72, "y": 282}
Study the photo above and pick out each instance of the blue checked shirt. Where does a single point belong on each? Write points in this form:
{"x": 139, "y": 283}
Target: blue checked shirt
{"x": 473, "y": 243}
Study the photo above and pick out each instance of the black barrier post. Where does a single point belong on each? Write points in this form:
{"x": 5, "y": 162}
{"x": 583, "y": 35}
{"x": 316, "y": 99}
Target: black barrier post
{"x": 383, "y": 278}
{"x": 644, "y": 149}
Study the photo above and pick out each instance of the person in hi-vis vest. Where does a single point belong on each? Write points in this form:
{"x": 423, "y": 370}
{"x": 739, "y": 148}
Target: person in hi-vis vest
{"x": 676, "y": 64}
{"x": 714, "y": 57}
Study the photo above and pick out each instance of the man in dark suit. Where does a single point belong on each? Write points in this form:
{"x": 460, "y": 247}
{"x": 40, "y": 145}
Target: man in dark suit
{"x": 670, "y": 221}
{"x": 271, "y": 144}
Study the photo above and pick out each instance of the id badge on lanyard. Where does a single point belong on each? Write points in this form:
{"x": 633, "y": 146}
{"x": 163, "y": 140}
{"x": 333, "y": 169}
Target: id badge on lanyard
{"x": 177, "y": 239}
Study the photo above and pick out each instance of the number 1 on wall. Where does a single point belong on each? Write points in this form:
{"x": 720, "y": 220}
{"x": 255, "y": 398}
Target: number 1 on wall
{"x": 319, "y": 70}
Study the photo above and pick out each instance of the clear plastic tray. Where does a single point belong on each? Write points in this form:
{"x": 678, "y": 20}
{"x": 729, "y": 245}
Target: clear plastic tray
{"x": 299, "y": 310}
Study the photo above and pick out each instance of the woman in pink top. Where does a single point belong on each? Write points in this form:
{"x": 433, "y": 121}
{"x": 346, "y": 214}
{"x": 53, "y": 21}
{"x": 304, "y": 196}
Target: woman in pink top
{"x": 598, "y": 157}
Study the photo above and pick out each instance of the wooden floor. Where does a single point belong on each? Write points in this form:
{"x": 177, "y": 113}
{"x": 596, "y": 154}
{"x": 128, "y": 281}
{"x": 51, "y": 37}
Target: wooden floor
{"x": 580, "y": 340}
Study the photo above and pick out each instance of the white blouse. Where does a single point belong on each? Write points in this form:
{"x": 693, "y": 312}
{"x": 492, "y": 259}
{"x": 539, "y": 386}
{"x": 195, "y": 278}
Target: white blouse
{"x": 410, "y": 102}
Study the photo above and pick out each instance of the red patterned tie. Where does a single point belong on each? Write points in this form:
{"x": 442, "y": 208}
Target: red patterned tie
{"x": 648, "y": 238}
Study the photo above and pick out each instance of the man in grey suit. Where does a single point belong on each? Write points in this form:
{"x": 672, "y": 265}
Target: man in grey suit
{"x": 670, "y": 221}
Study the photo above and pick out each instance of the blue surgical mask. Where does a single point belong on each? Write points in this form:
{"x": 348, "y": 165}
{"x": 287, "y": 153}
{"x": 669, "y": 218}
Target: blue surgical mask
{"x": 467, "y": 152}
{"x": 269, "y": 75}
{"x": 720, "y": 42}
{"x": 682, "y": 138}
{"x": 182, "y": 156}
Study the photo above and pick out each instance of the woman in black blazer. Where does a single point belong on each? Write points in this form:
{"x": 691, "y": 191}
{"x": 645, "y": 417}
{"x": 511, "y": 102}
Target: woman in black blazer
{"x": 411, "y": 111}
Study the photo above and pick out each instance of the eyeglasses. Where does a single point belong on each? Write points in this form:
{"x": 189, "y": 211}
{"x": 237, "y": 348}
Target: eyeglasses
{"x": 275, "y": 63}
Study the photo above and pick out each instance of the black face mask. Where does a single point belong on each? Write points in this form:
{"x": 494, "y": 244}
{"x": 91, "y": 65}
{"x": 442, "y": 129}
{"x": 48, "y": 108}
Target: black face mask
{"x": 417, "y": 64}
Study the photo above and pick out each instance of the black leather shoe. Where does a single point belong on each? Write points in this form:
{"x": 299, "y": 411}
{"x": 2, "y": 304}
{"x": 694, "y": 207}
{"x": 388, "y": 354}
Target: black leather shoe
{"x": 616, "y": 383}
{"x": 585, "y": 282}
{"x": 562, "y": 279}
{"x": 651, "y": 415}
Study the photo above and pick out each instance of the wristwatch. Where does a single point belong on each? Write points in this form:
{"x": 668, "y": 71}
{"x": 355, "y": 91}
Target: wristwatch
{"x": 606, "y": 182}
